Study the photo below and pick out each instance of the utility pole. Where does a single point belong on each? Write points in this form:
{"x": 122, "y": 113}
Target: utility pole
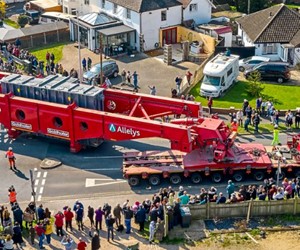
{"x": 101, "y": 48}
{"x": 249, "y": 3}
{"x": 32, "y": 190}
{"x": 79, "y": 52}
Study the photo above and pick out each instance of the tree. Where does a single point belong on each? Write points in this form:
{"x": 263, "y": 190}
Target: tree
{"x": 255, "y": 87}
{"x": 22, "y": 20}
{"x": 2, "y": 9}
{"x": 255, "y": 5}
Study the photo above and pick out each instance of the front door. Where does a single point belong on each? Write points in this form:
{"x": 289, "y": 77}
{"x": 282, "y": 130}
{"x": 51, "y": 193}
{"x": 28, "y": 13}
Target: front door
{"x": 169, "y": 36}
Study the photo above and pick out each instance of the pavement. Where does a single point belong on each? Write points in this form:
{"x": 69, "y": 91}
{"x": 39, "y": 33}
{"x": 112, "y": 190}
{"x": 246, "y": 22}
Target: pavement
{"x": 151, "y": 70}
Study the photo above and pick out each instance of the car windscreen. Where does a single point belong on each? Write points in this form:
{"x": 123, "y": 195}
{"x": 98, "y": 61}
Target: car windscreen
{"x": 95, "y": 69}
{"x": 211, "y": 80}
{"x": 247, "y": 59}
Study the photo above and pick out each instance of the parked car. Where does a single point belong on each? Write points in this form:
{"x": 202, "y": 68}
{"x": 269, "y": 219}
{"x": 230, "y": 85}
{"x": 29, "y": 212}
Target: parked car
{"x": 250, "y": 62}
{"x": 109, "y": 69}
{"x": 271, "y": 71}
{"x": 33, "y": 15}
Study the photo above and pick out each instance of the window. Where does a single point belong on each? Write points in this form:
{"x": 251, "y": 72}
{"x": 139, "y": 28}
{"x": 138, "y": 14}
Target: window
{"x": 193, "y": 7}
{"x": 128, "y": 13}
{"x": 164, "y": 15}
{"x": 269, "y": 48}
{"x": 102, "y": 4}
{"x": 229, "y": 72}
{"x": 87, "y": 2}
{"x": 115, "y": 8}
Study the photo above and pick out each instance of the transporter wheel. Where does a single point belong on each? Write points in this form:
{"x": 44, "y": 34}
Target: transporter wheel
{"x": 154, "y": 180}
{"x": 175, "y": 179}
{"x": 134, "y": 181}
{"x": 297, "y": 173}
{"x": 196, "y": 178}
{"x": 217, "y": 177}
{"x": 258, "y": 175}
{"x": 238, "y": 176}
{"x": 241, "y": 68}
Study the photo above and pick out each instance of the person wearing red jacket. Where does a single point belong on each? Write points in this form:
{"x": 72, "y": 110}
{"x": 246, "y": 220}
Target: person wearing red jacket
{"x": 59, "y": 222}
{"x": 40, "y": 231}
{"x": 11, "y": 158}
{"x": 81, "y": 244}
{"x": 69, "y": 215}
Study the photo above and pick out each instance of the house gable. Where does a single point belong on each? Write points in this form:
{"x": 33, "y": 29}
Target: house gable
{"x": 277, "y": 24}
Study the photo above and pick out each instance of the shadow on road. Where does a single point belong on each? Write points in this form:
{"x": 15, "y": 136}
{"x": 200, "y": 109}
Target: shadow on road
{"x": 21, "y": 175}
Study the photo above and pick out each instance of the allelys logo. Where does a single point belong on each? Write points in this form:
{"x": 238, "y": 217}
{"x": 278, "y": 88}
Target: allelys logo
{"x": 119, "y": 129}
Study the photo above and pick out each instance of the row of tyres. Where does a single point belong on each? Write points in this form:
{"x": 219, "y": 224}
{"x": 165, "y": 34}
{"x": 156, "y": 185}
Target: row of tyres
{"x": 54, "y": 88}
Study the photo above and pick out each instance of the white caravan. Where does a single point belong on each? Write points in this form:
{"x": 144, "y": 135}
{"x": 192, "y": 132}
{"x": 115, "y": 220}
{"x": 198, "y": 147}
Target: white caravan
{"x": 219, "y": 74}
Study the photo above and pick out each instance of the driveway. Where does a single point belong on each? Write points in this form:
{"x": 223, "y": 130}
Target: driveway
{"x": 151, "y": 70}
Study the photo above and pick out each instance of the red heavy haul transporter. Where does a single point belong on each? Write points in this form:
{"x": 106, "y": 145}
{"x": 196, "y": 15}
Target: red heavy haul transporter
{"x": 85, "y": 115}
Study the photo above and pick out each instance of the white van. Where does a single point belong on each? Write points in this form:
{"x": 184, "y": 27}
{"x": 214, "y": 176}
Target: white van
{"x": 219, "y": 74}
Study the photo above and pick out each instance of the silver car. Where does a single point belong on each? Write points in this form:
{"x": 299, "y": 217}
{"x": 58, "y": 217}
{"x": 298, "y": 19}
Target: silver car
{"x": 250, "y": 62}
{"x": 109, "y": 69}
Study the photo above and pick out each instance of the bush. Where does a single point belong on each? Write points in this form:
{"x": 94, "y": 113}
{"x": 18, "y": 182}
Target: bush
{"x": 23, "y": 20}
{"x": 255, "y": 87}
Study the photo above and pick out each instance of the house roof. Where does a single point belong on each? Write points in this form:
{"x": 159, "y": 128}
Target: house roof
{"x": 146, "y": 5}
{"x": 185, "y": 3}
{"x": 277, "y": 24}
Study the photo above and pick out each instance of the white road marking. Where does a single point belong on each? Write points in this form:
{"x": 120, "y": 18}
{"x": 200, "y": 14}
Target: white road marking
{"x": 45, "y": 174}
{"x": 35, "y": 169}
{"x": 102, "y": 157}
{"x": 39, "y": 198}
{"x": 102, "y": 169}
{"x": 43, "y": 182}
{"x": 38, "y": 175}
{"x": 91, "y": 182}
{"x": 35, "y": 189}
{"x": 36, "y": 183}
{"x": 41, "y": 190}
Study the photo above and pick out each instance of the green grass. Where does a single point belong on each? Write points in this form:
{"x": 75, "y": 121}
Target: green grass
{"x": 283, "y": 96}
{"x": 56, "y": 49}
{"x": 293, "y": 6}
{"x": 11, "y": 23}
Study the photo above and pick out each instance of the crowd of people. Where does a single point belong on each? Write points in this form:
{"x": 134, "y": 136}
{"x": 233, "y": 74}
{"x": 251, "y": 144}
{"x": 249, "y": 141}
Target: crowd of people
{"x": 40, "y": 223}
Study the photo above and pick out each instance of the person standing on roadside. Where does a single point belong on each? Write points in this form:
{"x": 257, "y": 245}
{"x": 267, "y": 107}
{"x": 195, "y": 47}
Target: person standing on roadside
{"x": 91, "y": 216}
{"x": 59, "y": 222}
{"x": 40, "y": 231}
{"x": 81, "y": 244}
{"x": 230, "y": 188}
{"x": 11, "y": 158}
{"x": 210, "y": 104}
{"x": 79, "y": 217}
{"x": 188, "y": 77}
{"x": 68, "y": 218}
{"x": 123, "y": 75}
{"x": 98, "y": 218}
{"x": 275, "y": 140}
{"x": 110, "y": 221}
{"x": 117, "y": 212}
{"x": 95, "y": 241}
{"x": 89, "y": 63}
{"x": 48, "y": 230}
{"x": 128, "y": 214}
{"x": 135, "y": 80}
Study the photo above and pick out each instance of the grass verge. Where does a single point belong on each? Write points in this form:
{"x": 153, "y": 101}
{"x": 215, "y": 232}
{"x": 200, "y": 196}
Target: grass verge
{"x": 11, "y": 23}
{"x": 236, "y": 95}
{"x": 56, "y": 49}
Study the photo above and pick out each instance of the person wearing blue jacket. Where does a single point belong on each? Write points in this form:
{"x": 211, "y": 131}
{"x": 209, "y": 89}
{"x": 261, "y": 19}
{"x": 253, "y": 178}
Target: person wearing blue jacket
{"x": 141, "y": 217}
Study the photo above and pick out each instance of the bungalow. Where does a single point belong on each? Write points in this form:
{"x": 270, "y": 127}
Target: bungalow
{"x": 275, "y": 33}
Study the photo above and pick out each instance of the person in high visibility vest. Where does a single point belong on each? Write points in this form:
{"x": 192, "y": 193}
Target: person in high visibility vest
{"x": 11, "y": 158}
{"x": 234, "y": 126}
{"x": 275, "y": 136}
{"x": 12, "y": 195}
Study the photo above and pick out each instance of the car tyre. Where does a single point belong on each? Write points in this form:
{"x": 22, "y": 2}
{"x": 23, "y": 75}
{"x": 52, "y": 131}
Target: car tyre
{"x": 280, "y": 80}
{"x": 241, "y": 68}
{"x": 115, "y": 74}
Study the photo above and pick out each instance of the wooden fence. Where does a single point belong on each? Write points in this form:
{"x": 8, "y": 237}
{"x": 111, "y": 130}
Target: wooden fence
{"x": 247, "y": 209}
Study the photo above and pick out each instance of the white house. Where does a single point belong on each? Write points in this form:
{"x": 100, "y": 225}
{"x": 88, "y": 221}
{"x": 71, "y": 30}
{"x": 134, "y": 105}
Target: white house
{"x": 275, "y": 33}
{"x": 146, "y": 17}
{"x": 198, "y": 10}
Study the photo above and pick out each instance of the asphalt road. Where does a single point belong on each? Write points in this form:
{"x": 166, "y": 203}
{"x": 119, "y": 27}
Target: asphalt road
{"x": 90, "y": 173}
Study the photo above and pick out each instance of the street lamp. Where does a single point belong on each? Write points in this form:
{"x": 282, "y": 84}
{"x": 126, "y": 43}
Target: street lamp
{"x": 79, "y": 52}
{"x": 280, "y": 159}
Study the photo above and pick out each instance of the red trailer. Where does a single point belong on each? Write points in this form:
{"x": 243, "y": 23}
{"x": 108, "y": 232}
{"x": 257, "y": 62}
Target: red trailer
{"x": 85, "y": 115}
